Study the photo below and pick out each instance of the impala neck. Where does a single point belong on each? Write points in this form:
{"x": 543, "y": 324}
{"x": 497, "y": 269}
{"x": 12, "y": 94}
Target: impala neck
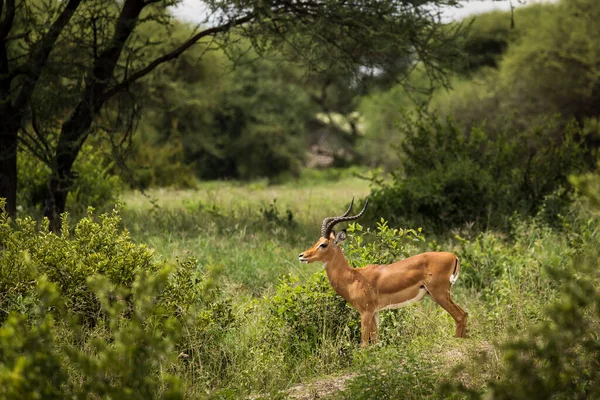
{"x": 339, "y": 273}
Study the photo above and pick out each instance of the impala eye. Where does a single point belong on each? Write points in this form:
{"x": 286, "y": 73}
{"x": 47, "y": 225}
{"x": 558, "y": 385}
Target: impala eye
{"x": 323, "y": 245}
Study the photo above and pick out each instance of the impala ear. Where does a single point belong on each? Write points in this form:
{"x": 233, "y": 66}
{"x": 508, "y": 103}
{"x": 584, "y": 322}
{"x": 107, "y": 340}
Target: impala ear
{"x": 340, "y": 237}
{"x": 332, "y": 235}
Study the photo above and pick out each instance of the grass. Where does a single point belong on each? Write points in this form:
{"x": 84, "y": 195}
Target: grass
{"x": 255, "y": 232}
{"x": 257, "y": 334}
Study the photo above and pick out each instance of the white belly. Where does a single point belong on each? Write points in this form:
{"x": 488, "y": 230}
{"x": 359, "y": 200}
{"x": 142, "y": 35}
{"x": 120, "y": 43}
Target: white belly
{"x": 418, "y": 297}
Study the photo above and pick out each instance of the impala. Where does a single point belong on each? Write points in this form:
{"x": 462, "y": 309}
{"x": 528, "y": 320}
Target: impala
{"x": 380, "y": 287}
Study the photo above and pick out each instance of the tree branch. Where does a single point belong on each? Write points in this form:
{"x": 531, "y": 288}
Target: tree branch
{"x": 39, "y": 57}
{"x": 174, "y": 54}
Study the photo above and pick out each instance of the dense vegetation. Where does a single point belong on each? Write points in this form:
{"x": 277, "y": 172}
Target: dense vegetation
{"x": 192, "y": 289}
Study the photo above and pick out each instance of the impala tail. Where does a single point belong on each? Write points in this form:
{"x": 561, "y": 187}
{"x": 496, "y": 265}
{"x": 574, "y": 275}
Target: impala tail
{"x": 454, "y": 276}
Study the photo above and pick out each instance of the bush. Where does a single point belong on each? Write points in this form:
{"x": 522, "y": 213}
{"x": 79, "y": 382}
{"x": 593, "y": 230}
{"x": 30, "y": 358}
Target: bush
{"x": 120, "y": 360}
{"x": 94, "y": 246}
{"x": 29, "y": 250}
{"x": 559, "y": 357}
{"x": 454, "y": 177}
{"x": 389, "y": 374}
{"x": 94, "y": 186}
{"x": 312, "y": 313}
{"x": 91, "y": 312}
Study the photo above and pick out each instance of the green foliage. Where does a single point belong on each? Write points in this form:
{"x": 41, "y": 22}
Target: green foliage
{"x": 68, "y": 260}
{"x": 313, "y": 314}
{"x": 384, "y": 245}
{"x": 118, "y": 360}
{"x": 547, "y": 70}
{"x": 244, "y": 119}
{"x": 94, "y": 246}
{"x": 557, "y": 357}
{"x": 94, "y": 185}
{"x": 392, "y": 374}
{"x": 489, "y": 35}
{"x": 28, "y": 364}
{"x": 454, "y": 176}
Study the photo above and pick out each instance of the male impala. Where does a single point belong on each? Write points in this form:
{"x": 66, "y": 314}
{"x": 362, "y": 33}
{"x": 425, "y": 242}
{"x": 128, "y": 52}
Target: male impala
{"x": 380, "y": 287}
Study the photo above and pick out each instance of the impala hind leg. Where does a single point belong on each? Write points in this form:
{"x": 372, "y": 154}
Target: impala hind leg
{"x": 460, "y": 316}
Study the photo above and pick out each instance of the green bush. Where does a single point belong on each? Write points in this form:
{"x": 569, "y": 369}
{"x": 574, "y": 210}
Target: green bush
{"x": 558, "y": 356}
{"x": 89, "y": 248}
{"x": 384, "y": 375}
{"x": 312, "y": 313}
{"x": 453, "y": 177}
{"x": 113, "y": 326}
{"x": 44, "y": 354}
{"x": 94, "y": 184}
{"x": 94, "y": 246}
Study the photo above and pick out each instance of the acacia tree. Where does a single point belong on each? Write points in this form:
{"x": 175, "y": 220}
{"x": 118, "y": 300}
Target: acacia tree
{"x": 62, "y": 62}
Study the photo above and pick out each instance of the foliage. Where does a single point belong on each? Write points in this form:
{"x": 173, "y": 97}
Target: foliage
{"x": 557, "y": 358}
{"x": 454, "y": 176}
{"x": 68, "y": 260}
{"x": 121, "y": 359}
{"x": 91, "y": 247}
{"x": 382, "y": 375}
{"x": 490, "y": 35}
{"x": 95, "y": 185}
{"x": 548, "y": 70}
{"x": 313, "y": 313}
{"x": 384, "y": 245}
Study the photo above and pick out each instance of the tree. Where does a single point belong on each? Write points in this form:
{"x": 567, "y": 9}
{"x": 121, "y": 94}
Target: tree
{"x": 65, "y": 64}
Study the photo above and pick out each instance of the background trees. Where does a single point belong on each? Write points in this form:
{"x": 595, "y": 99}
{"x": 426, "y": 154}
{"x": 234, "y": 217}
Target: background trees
{"x": 93, "y": 53}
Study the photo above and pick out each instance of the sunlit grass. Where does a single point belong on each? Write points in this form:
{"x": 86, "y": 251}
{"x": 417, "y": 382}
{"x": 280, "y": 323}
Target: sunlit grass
{"x": 255, "y": 231}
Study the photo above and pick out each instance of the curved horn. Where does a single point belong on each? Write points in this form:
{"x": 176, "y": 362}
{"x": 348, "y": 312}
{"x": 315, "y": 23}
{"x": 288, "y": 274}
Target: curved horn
{"x": 326, "y": 221}
{"x": 343, "y": 218}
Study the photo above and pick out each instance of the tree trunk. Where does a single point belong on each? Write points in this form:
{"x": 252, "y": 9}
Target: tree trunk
{"x": 8, "y": 164}
{"x": 76, "y": 129}
{"x": 9, "y": 128}
{"x": 73, "y": 134}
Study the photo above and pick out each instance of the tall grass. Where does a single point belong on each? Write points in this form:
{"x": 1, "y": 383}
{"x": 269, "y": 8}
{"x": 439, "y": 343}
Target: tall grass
{"x": 268, "y": 323}
{"x": 255, "y": 232}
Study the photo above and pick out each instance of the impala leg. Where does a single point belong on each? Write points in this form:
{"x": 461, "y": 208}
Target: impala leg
{"x": 375, "y": 328}
{"x": 460, "y": 316}
{"x": 366, "y": 324}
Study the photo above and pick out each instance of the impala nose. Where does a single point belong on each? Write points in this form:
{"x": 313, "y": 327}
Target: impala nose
{"x": 301, "y": 255}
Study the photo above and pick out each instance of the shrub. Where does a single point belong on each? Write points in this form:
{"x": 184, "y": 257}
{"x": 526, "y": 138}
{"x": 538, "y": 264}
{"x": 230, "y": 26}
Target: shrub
{"x": 312, "y": 313}
{"x": 392, "y": 374}
{"x": 94, "y": 186}
{"x": 454, "y": 177}
{"x": 94, "y": 246}
{"x": 90, "y": 248}
{"x": 120, "y": 360}
{"x": 559, "y": 357}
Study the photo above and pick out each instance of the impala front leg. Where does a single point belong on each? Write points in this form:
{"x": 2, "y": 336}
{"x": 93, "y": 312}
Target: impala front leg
{"x": 366, "y": 327}
{"x": 375, "y": 328}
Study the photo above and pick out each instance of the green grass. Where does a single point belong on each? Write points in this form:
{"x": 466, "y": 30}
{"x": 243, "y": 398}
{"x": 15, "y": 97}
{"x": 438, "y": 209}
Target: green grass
{"x": 258, "y": 334}
{"x": 254, "y": 231}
